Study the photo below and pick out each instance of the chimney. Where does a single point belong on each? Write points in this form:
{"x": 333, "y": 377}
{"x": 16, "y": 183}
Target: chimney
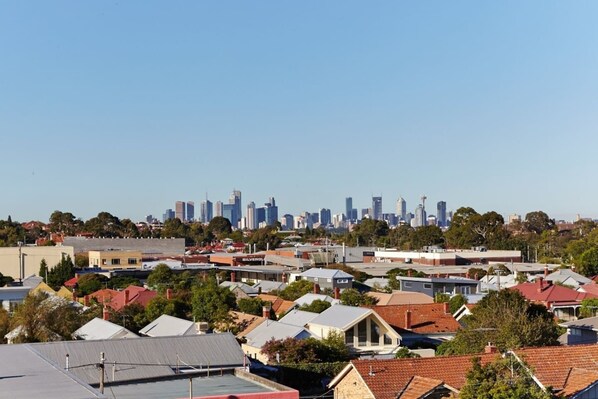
{"x": 126, "y": 297}
{"x": 545, "y": 270}
{"x": 408, "y": 272}
{"x": 233, "y": 277}
{"x": 105, "y": 313}
{"x": 475, "y": 276}
{"x": 316, "y": 289}
{"x": 266, "y": 311}
{"x": 169, "y": 293}
{"x": 284, "y": 278}
{"x": 540, "y": 284}
{"x": 467, "y": 274}
{"x": 490, "y": 348}
{"x": 86, "y": 300}
{"x": 337, "y": 293}
{"x": 408, "y": 320}
{"x": 446, "y": 307}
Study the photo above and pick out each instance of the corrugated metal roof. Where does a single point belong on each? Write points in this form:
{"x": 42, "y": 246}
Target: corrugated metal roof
{"x": 102, "y": 329}
{"x": 287, "y": 261}
{"x": 307, "y": 299}
{"x": 325, "y": 273}
{"x": 297, "y": 317}
{"x": 267, "y": 286}
{"x": 246, "y": 288}
{"x": 168, "y": 326}
{"x": 144, "y": 358}
{"x": 340, "y": 316}
{"x": 25, "y": 375}
{"x": 274, "y": 330}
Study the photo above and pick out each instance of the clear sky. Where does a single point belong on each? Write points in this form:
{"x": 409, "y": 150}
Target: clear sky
{"x": 128, "y": 106}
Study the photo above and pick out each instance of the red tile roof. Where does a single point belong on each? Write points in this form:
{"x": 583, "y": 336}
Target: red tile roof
{"x": 428, "y": 318}
{"x": 419, "y": 386}
{"x": 590, "y": 288}
{"x": 72, "y": 282}
{"x": 117, "y": 300}
{"x": 578, "y": 380}
{"x": 104, "y": 296}
{"x": 279, "y": 305}
{"x": 549, "y": 294}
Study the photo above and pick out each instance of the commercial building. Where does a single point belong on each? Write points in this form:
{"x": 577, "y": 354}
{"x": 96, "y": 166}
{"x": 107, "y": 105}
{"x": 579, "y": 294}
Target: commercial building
{"x": 190, "y": 211}
{"x": 377, "y": 208}
{"x": 441, "y": 214}
{"x": 442, "y": 257}
{"x": 180, "y": 211}
{"x": 115, "y": 259}
{"x": 20, "y": 262}
{"x": 206, "y": 211}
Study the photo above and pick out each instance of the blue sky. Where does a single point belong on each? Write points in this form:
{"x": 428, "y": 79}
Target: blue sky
{"x": 128, "y": 106}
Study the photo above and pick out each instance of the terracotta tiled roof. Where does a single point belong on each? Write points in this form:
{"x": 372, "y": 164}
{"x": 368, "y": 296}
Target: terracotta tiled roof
{"x": 400, "y": 298}
{"x": 387, "y": 378}
{"x": 541, "y": 291}
{"x": 419, "y": 386}
{"x": 425, "y": 318}
{"x": 104, "y": 296}
{"x": 279, "y": 305}
{"x": 247, "y": 322}
{"x": 590, "y": 288}
{"x": 578, "y": 380}
{"x": 71, "y": 282}
{"x": 138, "y": 295}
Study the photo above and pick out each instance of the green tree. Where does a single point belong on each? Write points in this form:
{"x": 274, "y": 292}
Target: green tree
{"x": 317, "y": 306}
{"x": 161, "y": 278}
{"x": 589, "y": 308}
{"x": 43, "y": 269}
{"x": 352, "y": 297}
{"x": 89, "y": 283}
{"x": 461, "y": 234}
{"x": 63, "y": 271}
{"x": 296, "y": 290}
{"x": 211, "y": 303}
{"x": 508, "y": 320}
{"x": 121, "y": 282}
{"x": 251, "y": 305}
{"x": 4, "y": 324}
{"x": 220, "y": 226}
{"x": 456, "y": 302}
{"x": 265, "y": 237}
{"x": 537, "y": 222}
{"x": 588, "y": 262}
{"x": 159, "y": 306}
{"x": 131, "y": 317}
{"x": 501, "y": 379}
{"x": 4, "y": 280}
{"x": 405, "y": 353}
{"x": 426, "y": 236}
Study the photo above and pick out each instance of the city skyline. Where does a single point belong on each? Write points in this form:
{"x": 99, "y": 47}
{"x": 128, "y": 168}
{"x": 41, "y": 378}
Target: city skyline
{"x": 490, "y": 106}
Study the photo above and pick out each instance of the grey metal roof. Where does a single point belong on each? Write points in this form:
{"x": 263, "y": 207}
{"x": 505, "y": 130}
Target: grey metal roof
{"x": 564, "y": 274}
{"x": 144, "y": 358}
{"x": 297, "y": 263}
{"x": 274, "y": 330}
{"x": 297, "y": 317}
{"x": 449, "y": 280}
{"x": 341, "y": 316}
{"x": 267, "y": 286}
{"x": 246, "y": 288}
{"x": 381, "y": 282}
{"x": 168, "y": 326}
{"x": 307, "y": 299}
{"x": 102, "y": 329}
{"x": 591, "y": 323}
{"x": 24, "y": 375}
{"x": 325, "y": 273}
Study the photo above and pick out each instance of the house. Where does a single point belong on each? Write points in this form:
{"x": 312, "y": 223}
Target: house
{"x": 170, "y": 326}
{"x": 583, "y": 331}
{"x": 278, "y": 305}
{"x": 246, "y": 322}
{"x": 116, "y": 300}
{"x": 564, "y": 302}
{"x": 102, "y": 329}
{"x": 241, "y": 290}
{"x": 400, "y": 298}
{"x": 267, "y": 331}
{"x": 267, "y": 286}
{"x": 567, "y": 277}
{"x": 569, "y": 371}
{"x": 430, "y": 323}
{"x": 363, "y": 329}
{"x": 327, "y": 278}
{"x": 307, "y": 299}
{"x": 434, "y": 285}
{"x": 296, "y": 317}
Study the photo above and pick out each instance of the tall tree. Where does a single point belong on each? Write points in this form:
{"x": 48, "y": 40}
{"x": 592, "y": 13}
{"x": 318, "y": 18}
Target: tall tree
{"x": 538, "y": 222}
{"x": 211, "y": 303}
{"x": 63, "y": 271}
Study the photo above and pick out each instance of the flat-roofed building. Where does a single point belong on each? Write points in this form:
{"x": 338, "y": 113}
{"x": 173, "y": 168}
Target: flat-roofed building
{"x": 25, "y": 261}
{"x": 115, "y": 259}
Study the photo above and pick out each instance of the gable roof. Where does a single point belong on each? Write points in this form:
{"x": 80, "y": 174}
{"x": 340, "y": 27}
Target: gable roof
{"x": 540, "y": 291}
{"x": 167, "y": 326}
{"x": 400, "y": 298}
{"x": 103, "y": 296}
{"x": 591, "y": 288}
{"x": 267, "y": 286}
{"x": 428, "y": 318}
{"x": 246, "y": 322}
{"x": 325, "y": 273}
{"x": 562, "y": 275}
{"x": 578, "y": 380}
{"x": 246, "y": 288}
{"x": 418, "y": 387}
{"x": 298, "y": 317}
{"x": 590, "y": 323}
{"x": 308, "y": 298}
{"x": 138, "y": 295}
{"x": 102, "y": 329}
{"x": 274, "y": 330}
{"x": 279, "y": 305}
{"x": 341, "y": 316}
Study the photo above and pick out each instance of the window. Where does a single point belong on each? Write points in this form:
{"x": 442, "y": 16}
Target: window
{"x": 349, "y": 336}
{"x": 375, "y": 333}
{"x": 407, "y": 284}
{"x": 387, "y": 340}
{"x": 132, "y": 261}
{"x": 342, "y": 281}
{"x": 428, "y": 286}
{"x": 116, "y": 261}
{"x": 574, "y": 331}
{"x": 104, "y": 261}
{"x": 362, "y": 333}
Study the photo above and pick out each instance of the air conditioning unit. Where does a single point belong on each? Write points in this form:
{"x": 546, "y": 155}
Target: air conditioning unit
{"x": 201, "y": 327}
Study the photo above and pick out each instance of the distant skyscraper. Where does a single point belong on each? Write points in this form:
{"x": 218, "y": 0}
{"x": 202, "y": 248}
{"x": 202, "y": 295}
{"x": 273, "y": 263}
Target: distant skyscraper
{"x": 169, "y": 214}
{"x": 206, "y": 211}
{"x": 377, "y": 208}
{"x": 401, "y": 208}
{"x": 325, "y": 217}
{"x": 228, "y": 212}
{"x": 179, "y": 210}
{"x": 190, "y": 210}
{"x": 365, "y": 212}
{"x": 235, "y": 199}
{"x": 420, "y": 217}
{"x": 251, "y": 216}
{"x": 218, "y": 208}
{"x": 271, "y": 212}
{"x": 287, "y": 221}
{"x": 441, "y": 214}
{"x": 349, "y": 207}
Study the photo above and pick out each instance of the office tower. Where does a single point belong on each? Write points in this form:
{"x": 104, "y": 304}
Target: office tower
{"x": 353, "y": 217}
{"x": 391, "y": 219}
{"x": 229, "y": 212}
{"x": 420, "y": 216}
{"x": 169, "y": 214}
{"x": 514, "y": 218}
{"x": 251, "y": 216}
{"x": 325, "y": 217}
{"x": 365, "y": 213}
{"x": 218, "y": 208}
{"x": 377, "y": 208}
{"x": 206, "y": 211}
{"x": 179, "y": 210}
{"x": 349, "y": 208}
{"x": 441, "y": 214}
{"x": 286, "y": 222}
{"x": 401, "y": 208}
{"x": 235, "y": 200}
{"x": 190, "y": 210}
{"x": 149, "y": 219}
{"x": 271, "y": 212}
{"x": 260, "y": 215}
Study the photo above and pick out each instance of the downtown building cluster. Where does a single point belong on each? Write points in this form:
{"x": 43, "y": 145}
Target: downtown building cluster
{"x": 256, "y": 216}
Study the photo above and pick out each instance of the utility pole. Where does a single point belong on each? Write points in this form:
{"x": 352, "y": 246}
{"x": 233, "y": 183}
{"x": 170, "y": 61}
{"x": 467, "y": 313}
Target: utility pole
{"x": 101, "y": 367}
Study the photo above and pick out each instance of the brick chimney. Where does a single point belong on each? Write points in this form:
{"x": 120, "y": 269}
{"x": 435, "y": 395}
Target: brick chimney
{"x": 233, "y": 277}
{"x": 169, "y": 293}
{"x": 446, "y": 307}
{"x": 337, "y": 293}
{"x": 126, "y": 297}
{"x": 490, "y": 348}
{"x": 316, "y": 288}
{"x": 74, "y": 295}
{"x": 86, "y": 300}
{"x": 540, "y": 284}
{"x": 545, "y": 270}
{"x": 105, "y": 313}
{"x": 408, "y": 320}
{"x": 475, "y": 276}
{"x": 266, "y": 311}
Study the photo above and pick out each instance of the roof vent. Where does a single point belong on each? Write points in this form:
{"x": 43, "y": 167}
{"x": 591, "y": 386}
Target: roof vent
{"x": 371, "y": 373}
